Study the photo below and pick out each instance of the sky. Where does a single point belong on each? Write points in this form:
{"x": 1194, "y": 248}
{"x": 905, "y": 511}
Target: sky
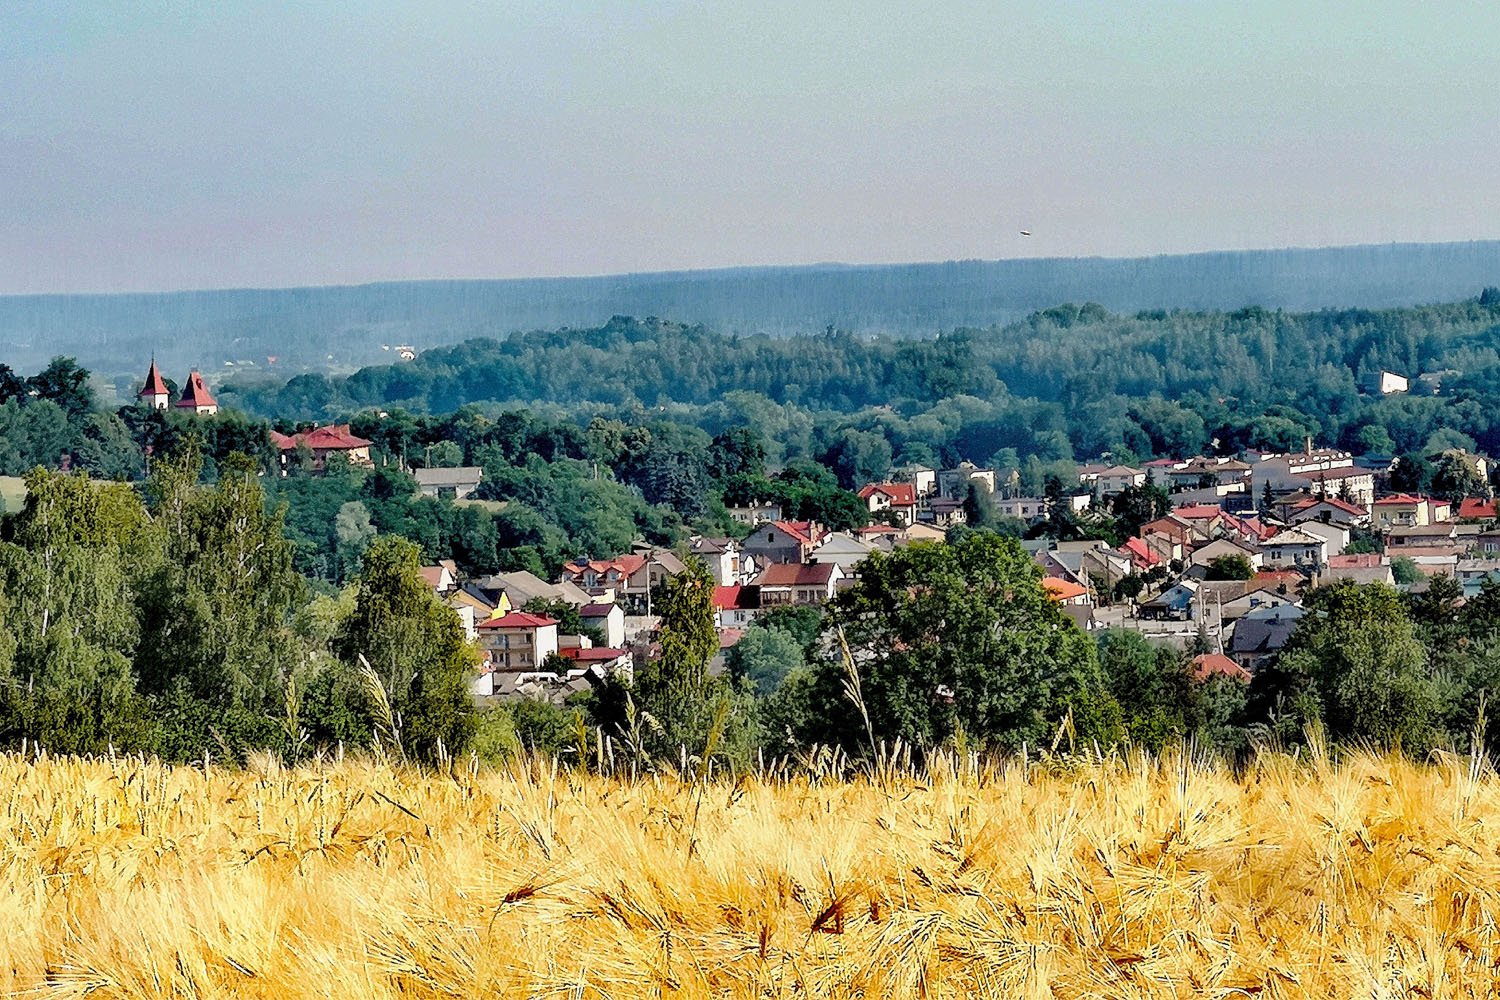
{"x": 160, "y": 146}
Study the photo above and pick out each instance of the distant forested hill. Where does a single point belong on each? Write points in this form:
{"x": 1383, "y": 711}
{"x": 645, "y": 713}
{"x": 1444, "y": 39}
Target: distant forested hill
{"x": 345, "y": 327}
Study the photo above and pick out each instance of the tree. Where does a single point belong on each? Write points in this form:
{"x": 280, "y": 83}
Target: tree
{"x": 1454, "y": 478}
{"x": 354, "y": 532}
{"x": 737, "y": 452}
{"x": 1411, "y": 474}
{"x": 764, "y": 657}
{"x": 1404, "y": 570}
{"x": 1230, "y": 567}
{"x": 66, "y": 384}
{"x": 956, "y": 635}
{"x": 416, "y": 648}
{"x": 445, "y": 455}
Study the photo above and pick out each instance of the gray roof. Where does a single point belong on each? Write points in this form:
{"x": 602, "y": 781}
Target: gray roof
{"x": 1261, "y": 635}
{"x": 463, "y": 475}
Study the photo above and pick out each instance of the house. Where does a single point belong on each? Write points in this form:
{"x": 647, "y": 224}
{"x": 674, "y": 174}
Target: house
{"x": 520, "y": 587}
{"x": 898, "y": 498}
{"x": 1477, "y": 509}
{"x": 944, "y": 512}
{"x": 633, "y": 574}
{"x": 1383, "y": 383}
{"x": 1405, "y": 510}
{"x": 441, "y": 578}
{"x": 1176, "y": 602}
{"x": 1336, "y": 535}
{"x": 1067, "y": 593}
{"x": 1256, "y": 640}
{"x": 1207, "y": 666}
{"x": 1222, "y": 547}
{"x": 1142, "y": 557}
{"x": 518, "y": 641}
{"x": 1488, "y": 541}
{"x": 1208, "y": 472}
{"x": 605, "y": 661}
{"x": 1294, "y": 547}
{"x": 920, "y": 476}
{"x": 925, "y": 533}
{"x": 795, "y": 583}
{"x": 455, "y": 484}
{"x": 1361, "y": 573}
{"x": 1025, "y": 508}
{"x": 722, "y": 557}
{"x": 484, "y": 604}
{"x": 1116, "y": 478}
{"x": 609, "y": 619}
{"x": 782, "y": 542}
{"x": 1470, "y": 570}
{"x": 755, "y": 513}
{"x": 319, "y": 443}
{"x": 954, "y": 483}
{"x": 737, "y": 605}
{"x": 1404, "y": 540}
{"x": 844, "y": 549}
{"x": 1329, "y": 510}
{"x": 1255, "y": 598}
{"x": 154, "y": 393}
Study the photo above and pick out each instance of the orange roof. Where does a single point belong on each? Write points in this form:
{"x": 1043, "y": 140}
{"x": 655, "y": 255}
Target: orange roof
{"x": 1400, "y": 498}
{"x": 196, "y": 393}
{"x": 727, "y": 598}
{"x": 802, "y": 531}
{"x": 1356, "y": 560}
{"x": 1210, "y": 664}
{"x": 433, "y": 575}
{"x": 518, "y": 619}
{"x": 1140, "y": 552}
{"x": 155, "y": 384}
{"x": 626, "y": 565}
{"x": 1198, "y": 511}
{"x": 1342, "y": 505}
{"x": 1062, "y": 590}
{"x": 594, "y": 654}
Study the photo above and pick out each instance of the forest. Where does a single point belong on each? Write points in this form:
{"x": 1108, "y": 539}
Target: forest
{"x": 340, "y": 328}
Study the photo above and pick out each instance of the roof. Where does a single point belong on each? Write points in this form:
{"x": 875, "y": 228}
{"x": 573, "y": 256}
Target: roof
{"x": 796, "y": 575}
{"x": 1403, "y": 499}
{"x": 458, "y": 476}
{"x": 334, "y": 437}
{"x": 518, "y": 619}
{"x": 903, "y": 494}
{"x": 1198, "y": 512}
{"x": 1120, "y": 470}
{"x": 1276, "y": 577}
{"x": 1477, "y": 507}
{"x": 1356, "y": 560}
{"x": 155, "y": 384}
{"x": 522, "y": 586}
{"x": 1334, "y": 502}
{"x": 1062, "y": 590}
{"x": 879, "y": 529}
{"x": 730, "y": 637}
{"x": 1294, "y": 536}
{"x": 196, "y": 393}
{"x": 1218, "y": 665}
{"x": 596, "y": 610}
{"x": 1261, "y": 635}
{"x": 1443, "y": 529}
{"x": 1137, "y": 549}
{"x": 434, "y": 575}
{"x": 625, "y": 565}
{"x": 593, "y": 654}
{"x": 802, "y": 531}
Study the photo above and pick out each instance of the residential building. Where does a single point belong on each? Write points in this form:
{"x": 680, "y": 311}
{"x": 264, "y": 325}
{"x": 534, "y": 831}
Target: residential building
{"x": 1477, "y": 509}
{"x": 1336, "y": 535}
{"x": 782, "y": 542}
{"x": 154, "y": 393}
{"x": 1361, "y": 573}
{"x": 1207, "y": 666}
{"x": 920, "y": 476}
{"x": 1294, "y": 547}
{"x": 954, "y": 483}
{"x": 1208, "y": 472}
{"x": 737, "y": 605}
{"x": 317, "y": 445}
{"x": 609, "y": 619}
{"x": 1406, "y": 511}
{"x": 196, "y": 397}
{"x": 518, "y": 641}
{"x": 1383, "y": 383}
{"x": 755, "y": 513}
{"x": 1116, "y": 479}
{"x": 604, "y": 661}
{"x": 442, "y": 578}
{"x": 1221, "y": 548}
{"x": 898, "y": 498}
{"x": 1488, "y": 541}
{"x": 1025, "y": 508}
{"x": 944, "y": 512}
{"x": 920, "y": 532}
{"x": 1067, "y": 593}
{"x": 793, "y": 583}
{"x": 844, "y": 549}
{"x": 633, "y": 574}
{"x": 1431, "y": 539}
{"x": 1142, "y": 557}
{"x": 455, "y": 484}
{"x": 520, "y": 587}
{"x": 722, "y": 556}
{"x": 1330, "y": 510}
{"x": 1256, "y": 641}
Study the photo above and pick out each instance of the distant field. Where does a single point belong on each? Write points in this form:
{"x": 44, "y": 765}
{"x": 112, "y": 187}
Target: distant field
{"x": 1374, "y": 879}
{"x": 12, "y": 493}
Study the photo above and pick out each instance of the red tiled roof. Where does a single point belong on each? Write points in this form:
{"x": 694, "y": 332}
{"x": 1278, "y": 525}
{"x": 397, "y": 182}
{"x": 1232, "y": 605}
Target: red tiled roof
{"x": 802, "y": 531}
{"x": 155, "y": 384}
{"x": 879, "y": 529}
{"x": 1274, "y": 577}
{"x": 196, "y": 393}
{"x": 1343, "y": 505}
{"x": 594, "y": 654}
{"x": 626, "y": 565}
{"x": 1138, "y": 550}
{"x": 1356, "y": 560}
{"x": 334, "y": 437}
{"x": 518, "y": 619}
{"x": 595, "y": 610}
{"x": 901, "y": 494}
{"x": 1399, "y": 498}
{"x": 1198, "y": 512}
{"x": 1477, "y": 508}
{"x": 433, "y": 575}
{"x": 1210, "y": 664}
{"x": 796, "y": 575}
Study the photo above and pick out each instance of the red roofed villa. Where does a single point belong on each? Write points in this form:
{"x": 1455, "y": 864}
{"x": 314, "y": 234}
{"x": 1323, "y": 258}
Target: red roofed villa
{"x": 1218, "y": 665}
{"x": 1477, "y": 509}
{"x": 1065, "y": 591}
{"x": 518, "y": 641}
{"x": 898, "y": 497}
{"x": 322, "y": 442}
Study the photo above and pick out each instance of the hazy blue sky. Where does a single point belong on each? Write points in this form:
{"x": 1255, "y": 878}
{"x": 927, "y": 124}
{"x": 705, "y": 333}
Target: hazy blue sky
{"x": 149, "y": 145}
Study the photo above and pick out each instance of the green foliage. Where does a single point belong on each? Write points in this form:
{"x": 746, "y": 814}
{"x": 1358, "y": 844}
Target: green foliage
{"x": 1230, "y": 567}
{"x": 764, "y": 657}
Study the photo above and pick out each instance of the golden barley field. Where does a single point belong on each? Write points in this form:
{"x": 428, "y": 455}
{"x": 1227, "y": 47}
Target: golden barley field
{"x": 1370, "y": 878}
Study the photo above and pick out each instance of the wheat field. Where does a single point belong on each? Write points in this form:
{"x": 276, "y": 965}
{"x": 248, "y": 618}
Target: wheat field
{"x": 1373, "y": 877}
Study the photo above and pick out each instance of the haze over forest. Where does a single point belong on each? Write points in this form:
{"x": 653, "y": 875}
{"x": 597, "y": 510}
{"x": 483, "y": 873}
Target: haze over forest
{"x": 340, "y": 328}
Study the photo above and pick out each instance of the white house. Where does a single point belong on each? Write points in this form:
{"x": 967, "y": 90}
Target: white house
{"x": 1294, "y": 547}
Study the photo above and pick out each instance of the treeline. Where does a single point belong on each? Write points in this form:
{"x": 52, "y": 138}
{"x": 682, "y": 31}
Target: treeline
{"x": 1069, "y": 382}
{"x": 323, "y": 328}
